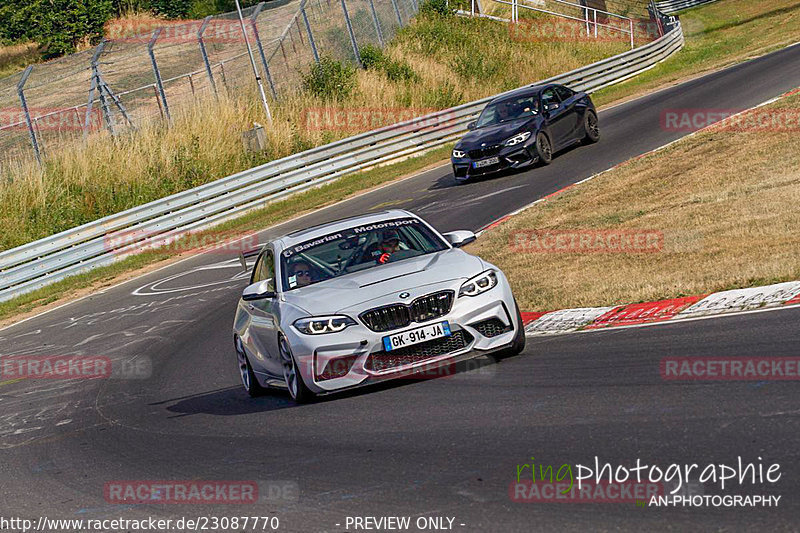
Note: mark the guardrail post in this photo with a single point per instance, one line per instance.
(157, 73)
(24, 103)
(631, 22)
(397, 12)
(310, 35)
(254, 24)
(205, 54)
(353, 35)
(376, 21)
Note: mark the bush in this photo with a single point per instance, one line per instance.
(373, 58)
(435, 7)
(59, 25)
(330, 78)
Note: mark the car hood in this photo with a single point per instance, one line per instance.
(409, 275)
(492, 135)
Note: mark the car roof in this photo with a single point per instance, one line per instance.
(321, 230)
(524, 91)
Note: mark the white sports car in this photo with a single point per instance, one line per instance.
(366, 299)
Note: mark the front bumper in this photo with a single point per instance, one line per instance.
(479, 325)
(509, 157)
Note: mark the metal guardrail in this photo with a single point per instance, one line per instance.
(668, 7)
(103, 241)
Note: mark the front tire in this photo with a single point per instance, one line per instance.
(590, 127)
(544, 149)
(291, 374)
(248, 377)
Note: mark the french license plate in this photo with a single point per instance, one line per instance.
(414, 336)
(486, 162)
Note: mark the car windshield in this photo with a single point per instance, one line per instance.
(508, 110)
(355, 249)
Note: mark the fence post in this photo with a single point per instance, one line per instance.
(310, 35)
(377, 22)
(353, 35)
(97, 84)
(254, 24)
(24, 103)
(595, 24)
(157, 73)
(205, 54)
(396, 12)
(631, 21)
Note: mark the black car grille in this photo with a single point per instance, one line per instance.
(380, 361)
(488, 151)
(491, 327)
(396, 316)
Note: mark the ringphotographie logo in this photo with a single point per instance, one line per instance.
(733, 120)
(582, 241)
(357, 119)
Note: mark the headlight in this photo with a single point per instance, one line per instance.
(458, 154)
(317, 325)
(516, 139)
(479, 284)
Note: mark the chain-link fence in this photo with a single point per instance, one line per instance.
(127, 80)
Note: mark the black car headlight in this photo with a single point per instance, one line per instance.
(516, 139)
(459, 154)
(479, 284)
(318, 325)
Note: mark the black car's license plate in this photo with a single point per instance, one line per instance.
(486, 162)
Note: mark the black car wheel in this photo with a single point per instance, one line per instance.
(591, 128)
(543, 149)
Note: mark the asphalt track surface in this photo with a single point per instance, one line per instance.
(441, 447)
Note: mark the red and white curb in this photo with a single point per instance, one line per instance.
(720, 303)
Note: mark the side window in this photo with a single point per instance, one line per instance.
(268, 269)
(549, 97)
(563, 92)
(255, 277)
(264, 269)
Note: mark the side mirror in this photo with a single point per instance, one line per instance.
(551, 107)
(471, 125)
(258, 291)
(460, 238)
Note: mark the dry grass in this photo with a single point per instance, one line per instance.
(17, 56)
(455, 60)
(737, 191)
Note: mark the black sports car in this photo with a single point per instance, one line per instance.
(522, 127)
